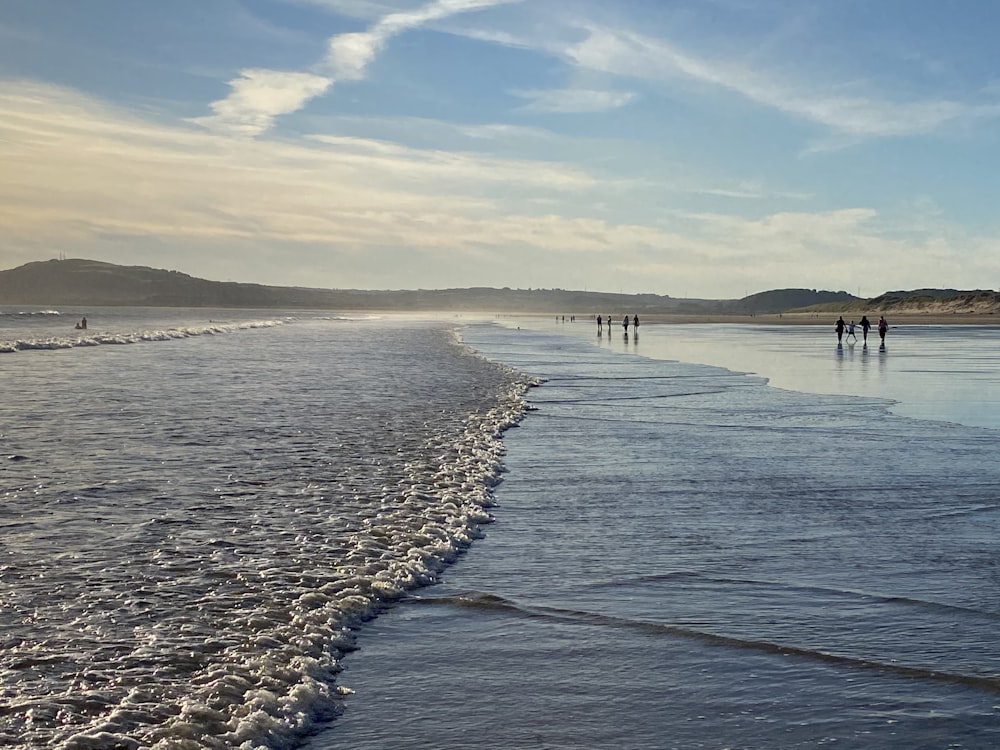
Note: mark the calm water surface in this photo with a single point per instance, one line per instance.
(947, 373)
(686, 557)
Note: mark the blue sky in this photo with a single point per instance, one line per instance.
(696, 148)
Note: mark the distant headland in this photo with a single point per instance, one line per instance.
(81, 282)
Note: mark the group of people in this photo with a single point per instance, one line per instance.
(625, 323)
(840, 327)
(866, 326)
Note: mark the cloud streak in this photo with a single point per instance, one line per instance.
(85, 169)
(350, 54)
(258, 96)
(633, 55)
(577, 100)
(79, 173)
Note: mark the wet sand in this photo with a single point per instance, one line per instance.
(895, 318)
(929, 367)
(823, 318)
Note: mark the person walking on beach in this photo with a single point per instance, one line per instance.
(839, 328)
(866, 326)
(625, 324)
(635, 323)
(883, 326)
(850, 330)
(600, 324)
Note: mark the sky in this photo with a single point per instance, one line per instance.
(692, 148)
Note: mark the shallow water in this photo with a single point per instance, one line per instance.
(192, 525)
(685, 557)
(945, 373)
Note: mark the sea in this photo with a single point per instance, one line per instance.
(261, 529)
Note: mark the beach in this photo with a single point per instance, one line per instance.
(687, 557)
(360, 532)
(909, 318)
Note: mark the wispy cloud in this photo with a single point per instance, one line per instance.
(630, 54)
(436, 165)
(576, 100)
(83, 168)
(258, 96)
(78, 172)
(350, 54)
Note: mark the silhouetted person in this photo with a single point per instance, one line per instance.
(883, 326)
(635, 323)
(866, 326)
(839, 328)
(600, 324)
(850, 330)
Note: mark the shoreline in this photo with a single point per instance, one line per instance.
(821, 319)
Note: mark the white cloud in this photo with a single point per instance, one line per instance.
(350, 54)
(76, 168)
(438, 166)
(630, 54)
(576, 100)
(493, 131)
(258, 96)
(83, 176)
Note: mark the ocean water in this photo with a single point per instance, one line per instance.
(197, 509)
(221, 534)
(689, 557)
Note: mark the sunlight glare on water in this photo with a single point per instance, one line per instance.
(947, 373)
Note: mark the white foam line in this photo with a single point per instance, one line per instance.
(98, 339)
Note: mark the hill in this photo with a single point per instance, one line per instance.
(89, 282)
(939, 301)
(918, 302)
(95, 283)
(783, 300)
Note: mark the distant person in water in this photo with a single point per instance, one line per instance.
(82, 325)
(635, 323)
(839, 328)
(883, 326)
(600, 324)
(625, 324)
(609, 322)
(866, 326)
